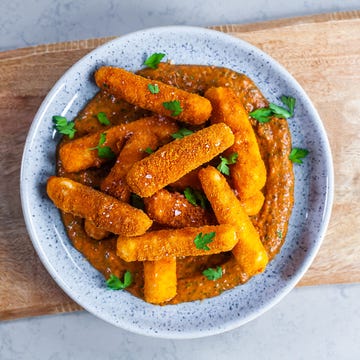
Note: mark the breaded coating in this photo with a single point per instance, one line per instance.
(253, 204)
(76, 155)
(160, 280)
(95, 232)
(249, 251)
(134, 89)
(134, 150)
(226, 108)
(156, 245)
(190, 179)
(174, 160)
(249, 172)
(173, 210)
(103, 210)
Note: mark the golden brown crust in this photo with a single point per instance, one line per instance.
(134, 89)
(156, 245)
(105, 211)
(174, 160)
(173, 210)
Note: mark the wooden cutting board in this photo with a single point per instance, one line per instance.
(323, 54)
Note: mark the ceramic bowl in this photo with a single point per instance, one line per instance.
(85, 285)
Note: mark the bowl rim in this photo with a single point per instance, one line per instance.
(307, 260)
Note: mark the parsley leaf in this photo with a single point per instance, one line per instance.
(223, 166)
(297, 155)
(154, 89)
(213, 274)
(201, 240)
(263, 115)
(103, 119)
(149, 150)
(137, 201)
(63, 126)
(182, 133)
(153, 60)
(174, 107)
(104, 152)
(195, 197)
(279, 111)
(114, 283)
(289, 101)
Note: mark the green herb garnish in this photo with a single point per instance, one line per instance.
(201, 240)
(103, 119)
(154, 89)
(223, 167)
(213, 274)
(173, 106)
(263, 115)
(195, 197)
(153, 60)
(149, 150)
(114, 283)
(297, 154)
(104, 152)
(182, 133)
(63, 126)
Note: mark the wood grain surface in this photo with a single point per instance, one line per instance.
(323, 54)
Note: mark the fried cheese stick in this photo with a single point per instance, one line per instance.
(249, 172)
(134, 150)
(156, 245)
(172, 209)
(135, 90)
(174, 160)
(103, 210)
(160, 280)
(253, 204)
(249, 251)
(76, 155)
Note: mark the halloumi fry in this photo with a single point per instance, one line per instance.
(249, 172)
(93, 231)
(172, 209)
(134, 89)
(174, 160)
(156, 245)
(190, 179)
(103, 210)
(134, 150)
(253, 204)
(76, 155)
(249, 251)
(160, 280)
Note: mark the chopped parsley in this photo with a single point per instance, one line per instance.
(174, 106)
(182, 133)
(201, 241)
(223, 167)
(63, 126)
(104, 152)
(149, 150)
(195, 197)
(114, 283)
(213, 274)
(103, 119)
(153, 60)
(153, 88)
(263, 115)
(297, 154)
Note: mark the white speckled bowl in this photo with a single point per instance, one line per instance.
(313, 188)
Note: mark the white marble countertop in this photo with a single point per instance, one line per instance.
(310, 323)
